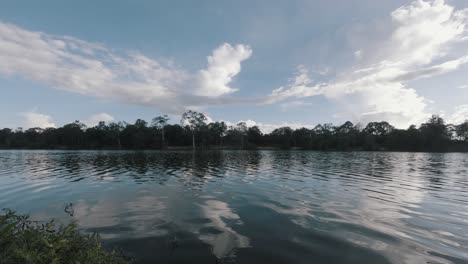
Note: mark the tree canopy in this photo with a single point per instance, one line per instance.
(193, 131)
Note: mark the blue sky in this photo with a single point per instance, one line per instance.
(273, 63)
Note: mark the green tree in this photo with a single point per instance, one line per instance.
(435, 133)
(254, 135)
(219, 130)
(160, 123)
(462, 131)
(115, 128)
(241, 129)
(73, 134)
(141, 124)
(378, 128)
(194, 121)
(25, 241)
(283, 136)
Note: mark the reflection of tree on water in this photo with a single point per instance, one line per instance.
(70, 162)
(252, 164)
(190, 168)
(202, 163)
(196, 168)
(436, 165)
(382, 201)
(282, 160)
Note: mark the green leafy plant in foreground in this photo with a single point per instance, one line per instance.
(23, 240)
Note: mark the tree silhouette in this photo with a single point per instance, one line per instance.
(241, 129)
(432, 135)
(194, 121)
(462, 131)
(115, 128)
(160, 123)
(379, 129)
(219, 130)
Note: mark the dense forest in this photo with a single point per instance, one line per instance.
(194, 132)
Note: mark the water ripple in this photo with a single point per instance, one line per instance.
(241, 206)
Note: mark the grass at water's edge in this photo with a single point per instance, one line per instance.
(23, 240)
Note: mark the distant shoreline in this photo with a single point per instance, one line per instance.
(194, 133)
(207, 149)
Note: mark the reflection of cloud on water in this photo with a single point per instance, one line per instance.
(407, 208)
(224, 242)
(300, 215)
(146, 214)
(141, 216)
(122, 214)
(101, 214)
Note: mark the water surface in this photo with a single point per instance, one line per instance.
(252, 206)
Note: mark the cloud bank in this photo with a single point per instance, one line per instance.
(426, 39)
(95, 119)
(419, 46)
(92, 69)
(37, 120)
(33, 119)
(459, 115)
(268, 127)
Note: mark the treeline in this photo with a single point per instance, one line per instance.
(194, 132)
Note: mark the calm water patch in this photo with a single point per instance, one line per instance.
(252, 207)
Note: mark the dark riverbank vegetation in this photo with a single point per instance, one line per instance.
(195, 132)
(25, 241)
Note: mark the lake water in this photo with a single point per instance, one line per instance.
(252, 207)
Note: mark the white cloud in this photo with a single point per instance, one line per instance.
(424, 32)
(267, 128)
(459, 116)
(33, 119)
(208, 119)
(420, 45)
(223, 65)
(465, 86)
(299, 86)
(293, 104)
(92, 69)
(322, 71)
(358, 54)
(95, 119)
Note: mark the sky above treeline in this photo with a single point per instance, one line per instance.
(270, 63)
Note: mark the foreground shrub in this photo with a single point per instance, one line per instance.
(31, 242)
